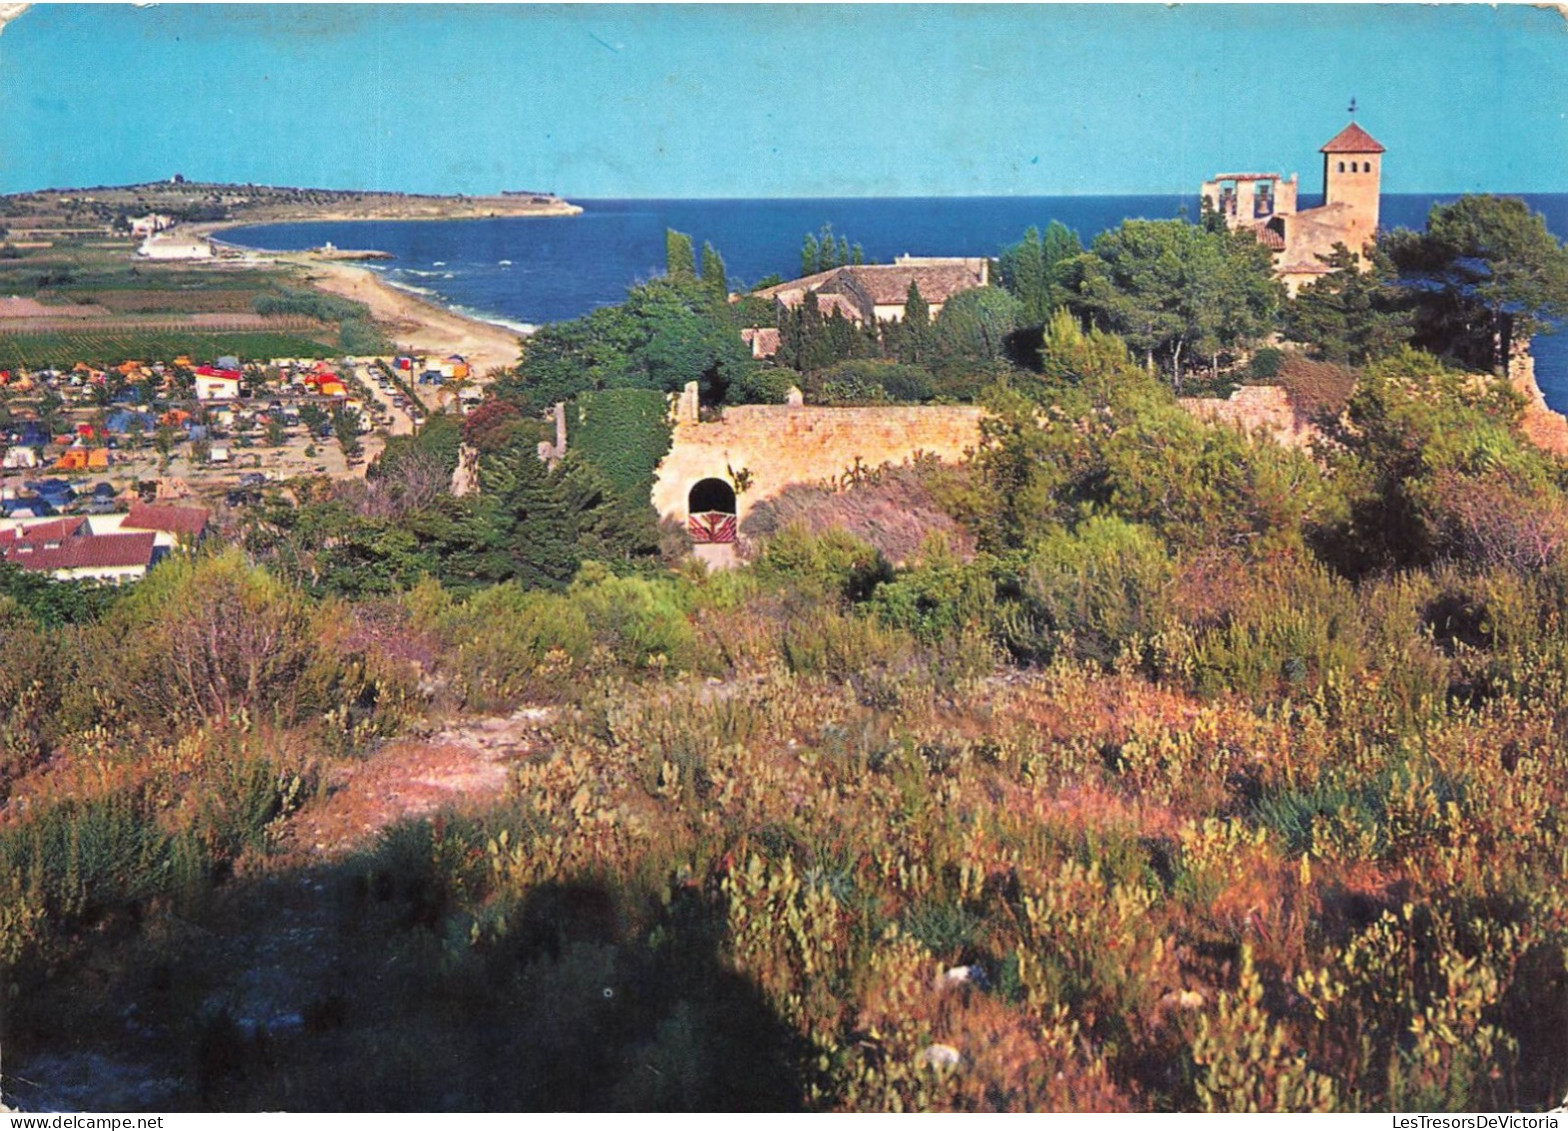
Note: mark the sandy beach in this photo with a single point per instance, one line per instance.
(411, 321)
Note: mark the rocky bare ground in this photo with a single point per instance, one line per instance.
(462, 767)
(269, 959)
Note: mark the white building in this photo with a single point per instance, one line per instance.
(175, 247)
(217, 386)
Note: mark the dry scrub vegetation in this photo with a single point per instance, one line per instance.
(1204, 776)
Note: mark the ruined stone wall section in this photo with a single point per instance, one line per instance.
(1252, 407)
(777, 445)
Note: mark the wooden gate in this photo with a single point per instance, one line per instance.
(711, 527)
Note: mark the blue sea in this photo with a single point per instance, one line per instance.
(530, 270)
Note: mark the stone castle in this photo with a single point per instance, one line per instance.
(1265, 204)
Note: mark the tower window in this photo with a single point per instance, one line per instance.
(1341, 166)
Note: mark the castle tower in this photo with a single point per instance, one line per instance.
(1352, 176)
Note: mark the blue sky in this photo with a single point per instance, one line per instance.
(761, 100)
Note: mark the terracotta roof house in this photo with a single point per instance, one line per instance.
(40, 533)
(69, 550)
(182, 522)
(871, 293)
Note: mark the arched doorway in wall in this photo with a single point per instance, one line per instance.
(710, 509)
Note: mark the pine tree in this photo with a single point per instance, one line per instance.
(524, 528)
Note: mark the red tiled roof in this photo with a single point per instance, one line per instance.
(190, 521)
(828, 302)
(806, 283)
(884, 284)
(763, 340)
(52, 531)
(889, 286)
(102, 551)
(1353, 139)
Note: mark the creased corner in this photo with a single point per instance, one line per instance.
(9, 12)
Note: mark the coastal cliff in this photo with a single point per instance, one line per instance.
(1543, 426)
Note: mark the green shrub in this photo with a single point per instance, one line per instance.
(840, 563)
(644, 624)
(75, 861)
(821, 640)
(867, 381)
(30, 686)
(311, 304)
(360, 337)
(1104, 585)
(506, 643)
(211, 638)
(1288, 626)
(938, 598)
(1265, 364)
(241, 797)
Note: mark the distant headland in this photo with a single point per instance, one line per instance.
(204, 208)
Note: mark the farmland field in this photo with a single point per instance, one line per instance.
(159, 300)
(103, 347)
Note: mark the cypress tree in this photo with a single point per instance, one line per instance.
(810, 255)
(916, 334)
(713, 271)
(679, 261)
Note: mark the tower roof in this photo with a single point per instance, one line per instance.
(1352, 139)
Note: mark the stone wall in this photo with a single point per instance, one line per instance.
(1252, 407)
(776, 445)
(769, 447)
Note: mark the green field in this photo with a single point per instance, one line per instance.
(106, 347)
(186, 299)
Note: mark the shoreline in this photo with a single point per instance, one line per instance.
(411, 320)
(412, 317)
(212, 229)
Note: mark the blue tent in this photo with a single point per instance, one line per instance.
(57, 492)
(32, 434)
(120, 422)
(35, 506)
